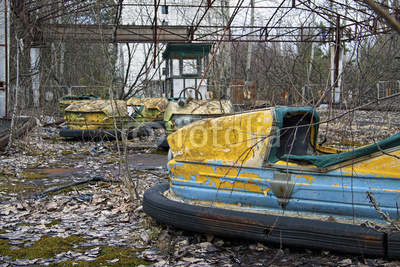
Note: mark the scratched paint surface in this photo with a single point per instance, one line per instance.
(226, 170)
(381, 166)
(204, 182)
(322, 194)
(95, 114)
(239, 140)
(154, 108)
(203, 107)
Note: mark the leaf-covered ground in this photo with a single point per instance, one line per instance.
(63, 204)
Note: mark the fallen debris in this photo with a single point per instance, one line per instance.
(97, 222)
(90, 180)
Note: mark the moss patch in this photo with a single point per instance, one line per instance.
(49, 247)
(160, 152)
(17, 187)
(34, 175)
(46, 247)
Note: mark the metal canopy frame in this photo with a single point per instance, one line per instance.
(350, 20)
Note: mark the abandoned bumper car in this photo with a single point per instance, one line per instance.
(67, 100)
(185, 110)
(147, 111)
(261, 175)
(107, 119)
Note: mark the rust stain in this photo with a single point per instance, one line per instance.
(209, 216)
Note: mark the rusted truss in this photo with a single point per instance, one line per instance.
(337, 20)
(113, 34)
(145, 33)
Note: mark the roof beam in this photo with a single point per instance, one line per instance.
(105, 33)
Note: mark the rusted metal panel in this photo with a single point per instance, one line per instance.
(236, 87)
(112, 34)
(243, 92)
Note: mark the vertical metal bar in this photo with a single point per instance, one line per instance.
(301, 33)
(336, 60)
(4, 58)
(155, 33)
(250, 45)
(6, 55)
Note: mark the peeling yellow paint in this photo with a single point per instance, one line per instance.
(392, 190)
(95, 114)
(229, 174)
(282, 162)
(202, 179)
(310, 179)
(204, 174)
(265, 191)
(250, 186)
(245, 136)
(302, 184)
(330, 150)
(381, 166)
(204, 107)
(159, 103)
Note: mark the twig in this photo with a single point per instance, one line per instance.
(94, 179)
(386, 153)
(385, 216)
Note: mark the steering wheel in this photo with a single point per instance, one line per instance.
(137, 111)
(191, 88)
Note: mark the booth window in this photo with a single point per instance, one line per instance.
(189, 66)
